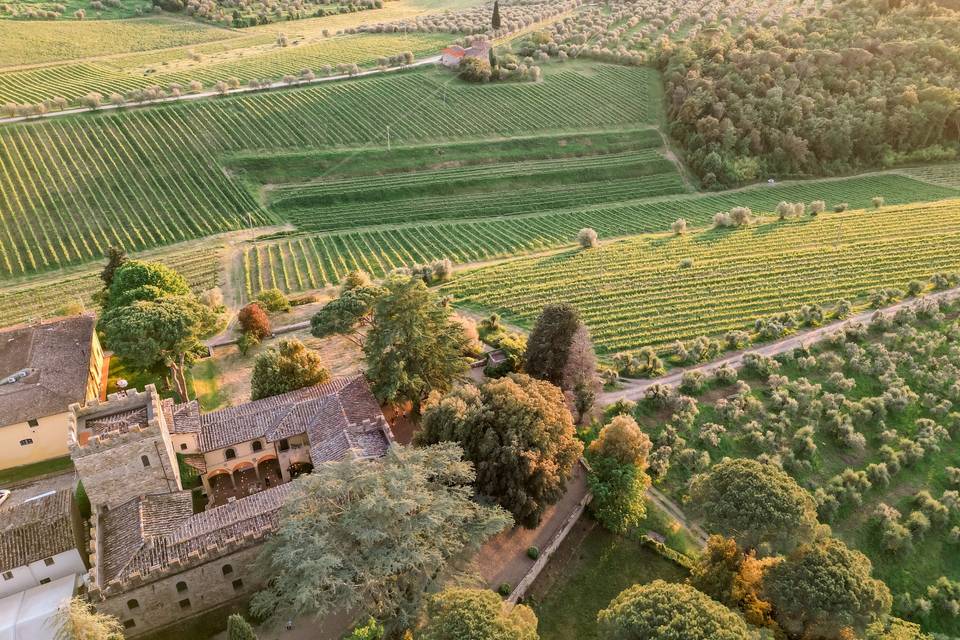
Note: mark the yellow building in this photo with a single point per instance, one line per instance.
(44, 368)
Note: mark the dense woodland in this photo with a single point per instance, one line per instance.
(867, 84)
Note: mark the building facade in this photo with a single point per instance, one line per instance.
(44, 368)
(157, 556)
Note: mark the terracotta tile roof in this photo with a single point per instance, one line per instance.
(56, 355)
(337, 416)
(182, 418)
(149, 534)
(36, 529)
(456, 51)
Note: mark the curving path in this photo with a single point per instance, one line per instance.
(635, 389)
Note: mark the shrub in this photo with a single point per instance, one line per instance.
(679, 227)
(817, 207)
(504, 589)
(587, 238)
(840, 207)
(686, 263)
(693, 382)
(533, 553)
(254, 321)
(741, 216)
(273, 300)
(878, 202)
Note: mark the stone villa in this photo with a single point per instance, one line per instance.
(44, 368)
(155, 557)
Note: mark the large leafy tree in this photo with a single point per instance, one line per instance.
(239, 629)
(733, 578)
(548, 347)
(824, 588)
(165, 331)
(413, 346)
(373, 536)
(476, 614)
(618, 478)
(289, 366)
(349, 315)
(667, 611)
(757, 504)
(135, 280)
(518, 433)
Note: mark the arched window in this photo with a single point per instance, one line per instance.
(257, 445)
(133, 604)
(227, 569)
(145, 460)
(181, 586)
(230, 454)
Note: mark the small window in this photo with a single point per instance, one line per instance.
(237, 584)
(45, 581)
(33, 424)
(8, 575)
(185, 603)
(183, 446)
(145, 460)
(133, 604)
(48, 561)
(227, 569)
(181, 586)
(26, 442)
(257, 445)
(230, 454)
(284, 445)
(129, 624)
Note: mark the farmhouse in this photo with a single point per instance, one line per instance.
(155, 560)
(45, 368)
(454, 54)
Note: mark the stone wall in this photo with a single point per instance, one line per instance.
(176, 596)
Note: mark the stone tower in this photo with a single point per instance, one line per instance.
(122, 448)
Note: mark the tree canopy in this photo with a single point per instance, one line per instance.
(377, 548)
(668, 611)
(476, 614)
(135, 280)
(288, 367)
(518, 433)
(823, 588)
(348, 315)
(757, 504)
(413, 346)
(548, 346)
(618, 478)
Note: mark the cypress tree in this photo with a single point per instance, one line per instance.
(495, 21)
(239, 629)
(548, 347)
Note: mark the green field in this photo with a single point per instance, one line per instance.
(143, 178)
(589, 570)
(46, 296)
(75, 80)
(311, 261)
(35, 42)
(635, 292)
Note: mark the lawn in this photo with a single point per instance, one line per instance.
(28, 471)
(591, 567)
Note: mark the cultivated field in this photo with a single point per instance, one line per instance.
(70, 187)
(862, 421)
(35, 42)
(73, 81)
(307, 262)
(636, 292)
(45, 296)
